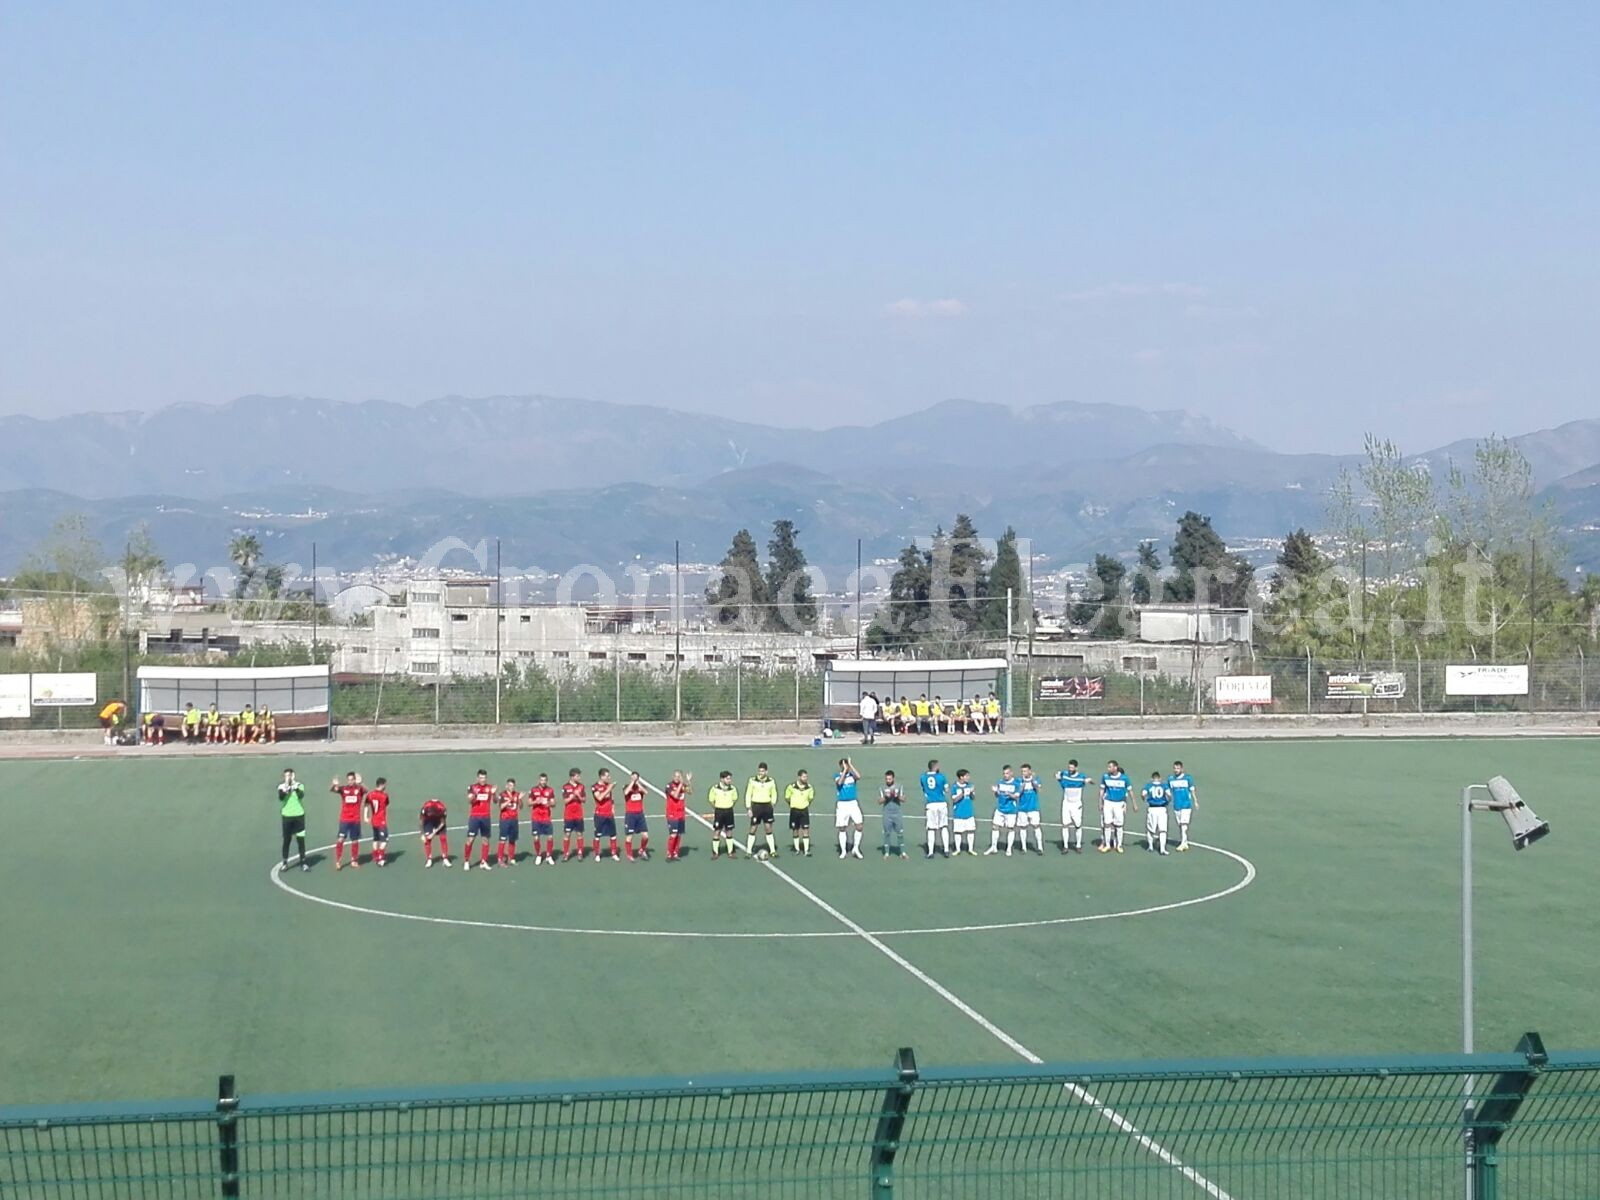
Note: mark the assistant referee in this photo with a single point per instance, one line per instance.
(292, 811)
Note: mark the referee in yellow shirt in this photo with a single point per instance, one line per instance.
(724, 798)
(760, 798)
(798, 796)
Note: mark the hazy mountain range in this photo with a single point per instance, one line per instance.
(563, 482)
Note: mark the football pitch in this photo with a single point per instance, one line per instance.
(150, 946)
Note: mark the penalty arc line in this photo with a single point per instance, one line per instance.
(1077, 1092)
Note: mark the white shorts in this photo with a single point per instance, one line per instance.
(1072, 813)
(938, 816)
(1005, 820)
(1155, 818)
(964, 824)
(1183, 815)
(1029, 819)
(848, 812)
(1116, 812)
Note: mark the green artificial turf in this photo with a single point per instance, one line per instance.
(148, 950)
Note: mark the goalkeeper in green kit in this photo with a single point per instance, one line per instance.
(292, 810)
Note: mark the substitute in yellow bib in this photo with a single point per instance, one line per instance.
(724, 798)
(191, 722)
(798, 796)
(760, 799)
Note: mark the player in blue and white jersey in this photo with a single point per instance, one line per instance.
(1006, 793)
(1028, 817)
(847, 818)
(1180, 784)
(1156, 798)
(1114, 800)
(936, 807)
(963, 815)
(1073, 782)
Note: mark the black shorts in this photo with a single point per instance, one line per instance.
(432, 828)
(605, 827)
(294, 826)
(721, 819)
(761, 813)
(799, 818)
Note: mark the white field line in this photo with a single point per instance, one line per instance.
(1083, 1095)
(759, 935)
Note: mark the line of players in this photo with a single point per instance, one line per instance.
(949, 813)
(949, 810)
(487, 804)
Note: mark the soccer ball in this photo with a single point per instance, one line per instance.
(762, 856)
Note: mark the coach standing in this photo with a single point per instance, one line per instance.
(292, 812)
(869, 719)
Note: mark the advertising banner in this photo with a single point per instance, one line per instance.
(1483, 679)
(1243, 689)
(1366, 685)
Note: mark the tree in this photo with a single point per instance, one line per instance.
(66, 574)
(958, 579)
(1299, 562)
(1099, 611)
(1147, 574)
(905, 619)
(739, 598)
(1005, 575)
(1203, 569)
(789, 581)
(245, 553)
(143, 568)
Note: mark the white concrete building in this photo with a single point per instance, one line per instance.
(447, 628)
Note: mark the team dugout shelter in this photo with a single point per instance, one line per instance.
(301, 698)
(846, 680)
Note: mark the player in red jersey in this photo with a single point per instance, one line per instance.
(605, 814)
(677, 813)
(505, 852)
(573, 795)
(350, 794)
(377, 810)
(541, 798)
(480, 797)
(434, 824)
(633, 821)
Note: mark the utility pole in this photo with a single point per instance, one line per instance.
(1533, 604)
(127, 618)
(499, 619)
(313, 603)
(677, 633)
(858, 598)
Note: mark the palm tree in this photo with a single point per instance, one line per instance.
(245, 551)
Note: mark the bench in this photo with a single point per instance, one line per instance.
(289, 725)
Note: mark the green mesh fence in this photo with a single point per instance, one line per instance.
(1379, 1128)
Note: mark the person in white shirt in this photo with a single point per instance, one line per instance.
(869, 719)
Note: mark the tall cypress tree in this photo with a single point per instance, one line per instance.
(788, 581)
(1203, 567)
(740, 598)
(1006, 573)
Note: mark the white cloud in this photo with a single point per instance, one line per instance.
(918, 309)
(1136, 291)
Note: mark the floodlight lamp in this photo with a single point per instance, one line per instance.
(1524, 824)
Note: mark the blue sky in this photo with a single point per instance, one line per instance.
(1304, 221)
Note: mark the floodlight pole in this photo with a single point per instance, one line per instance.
(1466, 975)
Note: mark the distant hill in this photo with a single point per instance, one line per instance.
(1553, 453)
(570, 482)
(523, 445)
